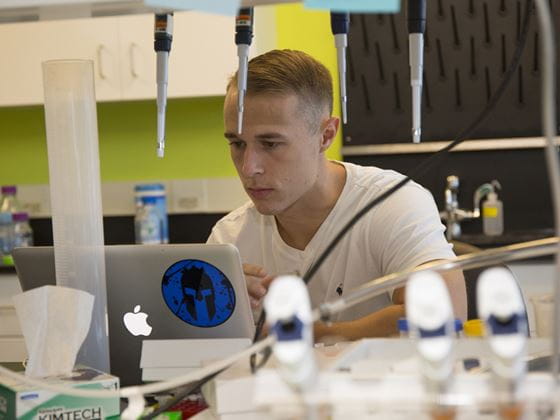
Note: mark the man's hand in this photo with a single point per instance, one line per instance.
(258, 281)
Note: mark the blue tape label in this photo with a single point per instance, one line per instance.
(356, 6)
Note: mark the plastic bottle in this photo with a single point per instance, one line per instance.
(23, 234)
(147, 223)
(492, 215)
(402, 325)
(6, 236)
(474, 328)
(157, 191)
(9, 202)
(458, 328)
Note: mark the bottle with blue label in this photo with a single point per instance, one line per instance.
(159, 202)
(147, 223)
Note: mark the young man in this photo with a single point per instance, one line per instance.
(300, 200)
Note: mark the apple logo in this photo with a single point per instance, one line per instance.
(136, 322)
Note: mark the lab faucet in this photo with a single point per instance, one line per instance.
(453, 215)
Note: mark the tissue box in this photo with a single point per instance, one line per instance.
(21, 401)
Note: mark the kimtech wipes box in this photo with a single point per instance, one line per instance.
(23, 402)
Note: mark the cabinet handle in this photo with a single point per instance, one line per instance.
(133, 71)
(102, 74)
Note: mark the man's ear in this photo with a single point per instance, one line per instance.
(329, 128)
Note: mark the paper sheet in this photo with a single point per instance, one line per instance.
(55, 321)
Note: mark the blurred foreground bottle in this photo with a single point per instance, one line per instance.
(9, 202)
(6, 238)
(23, 234)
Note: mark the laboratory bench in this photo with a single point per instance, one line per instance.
(535, 276)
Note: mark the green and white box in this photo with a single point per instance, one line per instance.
(24, 402)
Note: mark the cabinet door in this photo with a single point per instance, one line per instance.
(26, 45)
(137, 56)
(203, 55)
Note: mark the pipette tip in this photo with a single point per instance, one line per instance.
(160, 150)
(416, 134)
(344, 112)
(239, 122)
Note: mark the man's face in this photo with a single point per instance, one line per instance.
(277, 155)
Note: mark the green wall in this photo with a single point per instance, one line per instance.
(195, 147)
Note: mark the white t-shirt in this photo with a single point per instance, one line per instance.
(402, 232)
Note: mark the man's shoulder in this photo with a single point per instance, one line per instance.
(230, 227)
(239, 215)
(376, 179)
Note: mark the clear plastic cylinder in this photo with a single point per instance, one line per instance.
(73, 155)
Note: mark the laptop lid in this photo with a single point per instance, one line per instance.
(159, 292)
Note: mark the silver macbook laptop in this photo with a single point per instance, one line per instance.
(159, 292)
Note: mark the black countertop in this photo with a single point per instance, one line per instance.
(478, 240)
(507, 238)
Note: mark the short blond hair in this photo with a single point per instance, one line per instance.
(291, 72)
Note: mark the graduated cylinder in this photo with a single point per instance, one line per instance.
(73, 154)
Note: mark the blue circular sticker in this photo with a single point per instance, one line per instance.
(198, 293)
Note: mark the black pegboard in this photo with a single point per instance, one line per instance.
(469, 43)
(522, 173)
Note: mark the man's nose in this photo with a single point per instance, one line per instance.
(252, 163)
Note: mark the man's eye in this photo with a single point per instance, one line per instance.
(236, 144)
(270, 144)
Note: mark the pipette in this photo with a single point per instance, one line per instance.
(416, 29)
(163, 35)
(289, 316)
(501, 306)
(243, 38)
(340, 23)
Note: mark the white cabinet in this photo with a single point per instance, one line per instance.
(203, 55)
(26, 45)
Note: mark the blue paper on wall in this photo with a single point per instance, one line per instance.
(220, 7)
(356, 6)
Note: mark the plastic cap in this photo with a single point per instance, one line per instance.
(474, 328)
(20, 217)
(458, 325)
(9, 189)
(402, 324)
(149, 187)
(5, 218)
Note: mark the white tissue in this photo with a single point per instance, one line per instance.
(55, 321)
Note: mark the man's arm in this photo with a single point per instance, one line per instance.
(455, 282)
(383, 323)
